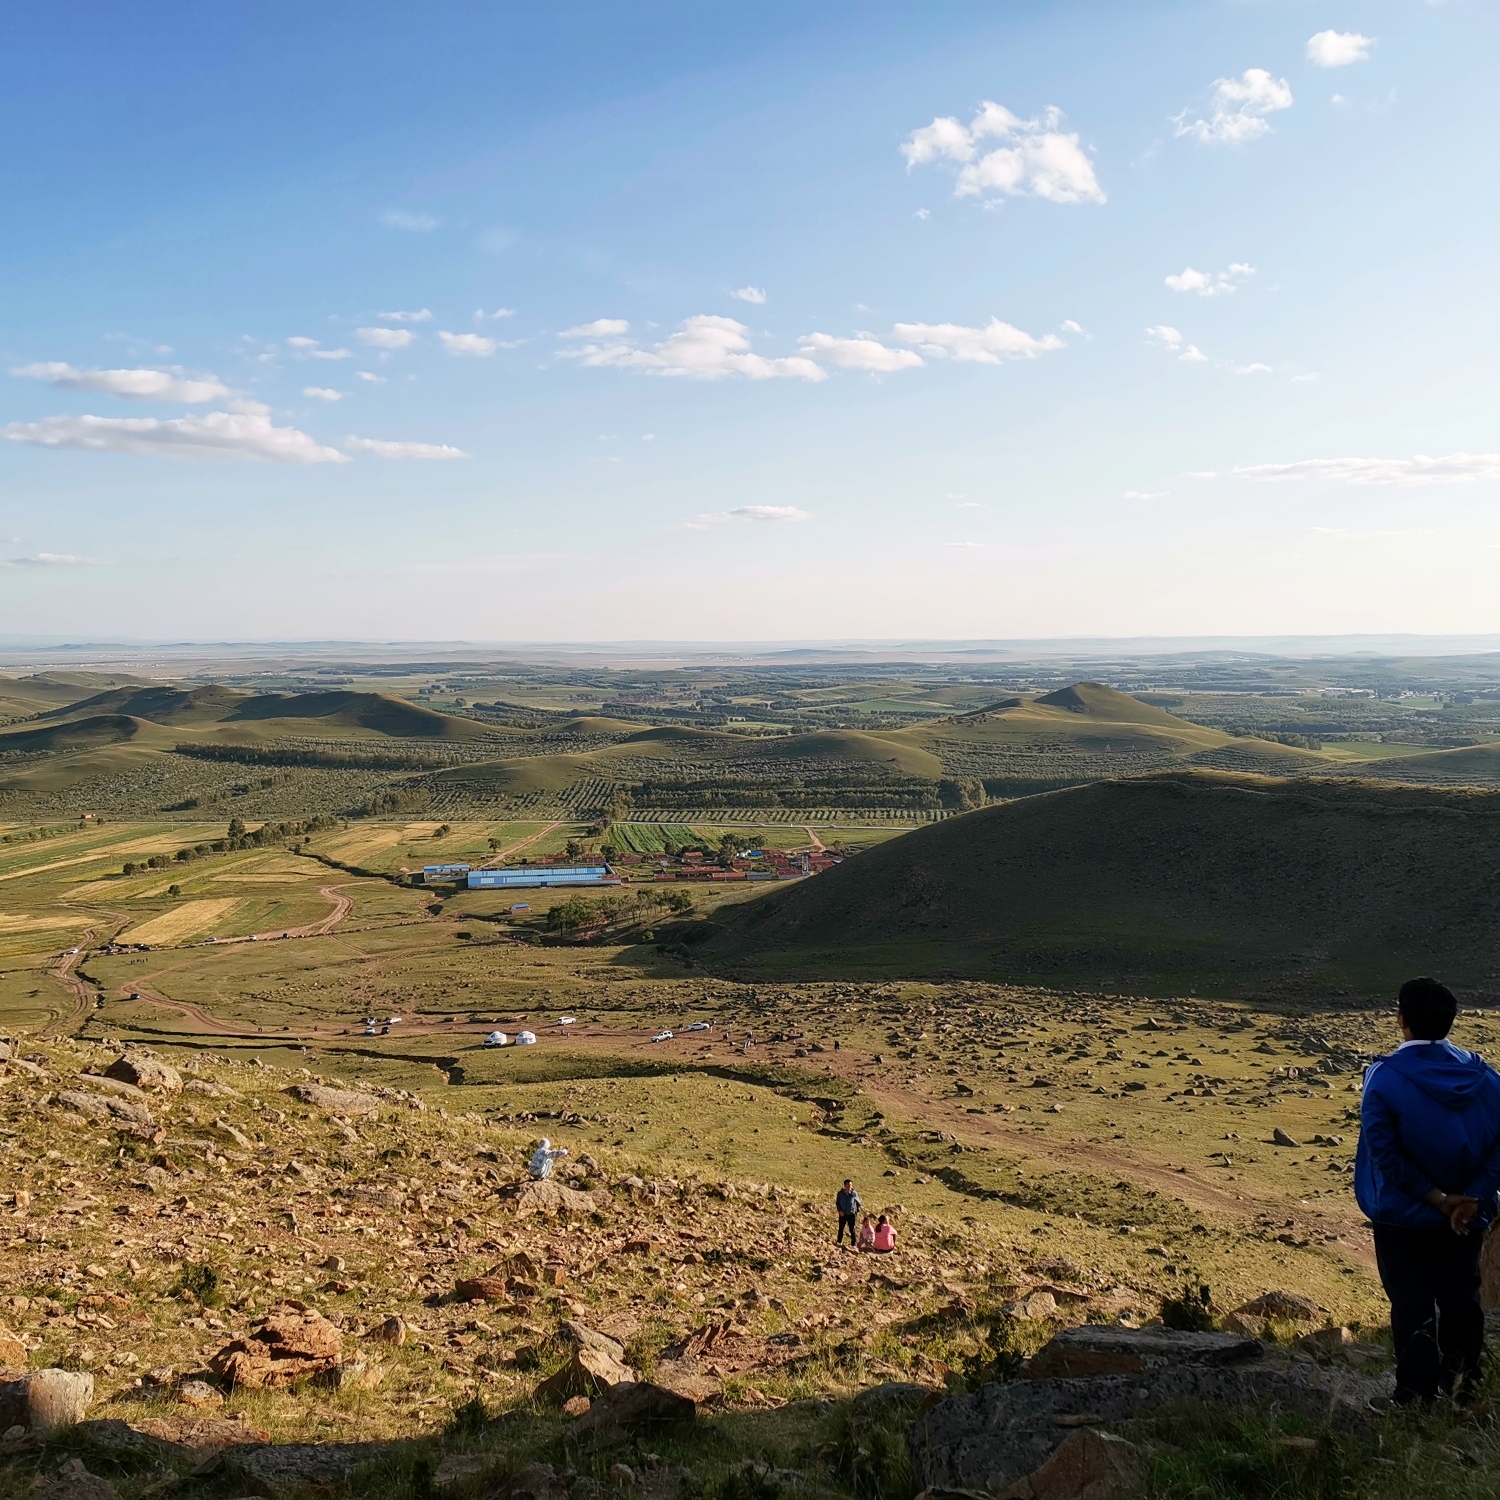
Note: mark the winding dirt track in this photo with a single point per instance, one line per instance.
(83, 992)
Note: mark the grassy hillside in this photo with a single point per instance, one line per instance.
(1190, 880)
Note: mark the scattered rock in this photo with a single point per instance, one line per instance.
(1032, 1306)
(354, 1376)
(1095, 1349)
(392, 1331)
(634, 1411)
(291, 1344)
(146, 1072)
(284, 1466)
(12, 1350)
(1328, 1338)
(589, 1372)
(685, 1379)
(335, 1101)
(548, 1198)
(103, 1107)
(456, 1466)
(1087, 1465)
(590, 1338)
(1287, 1305)
(891, 1394)
(483, 1289)
(45, 1400)
(104, 1084)
(622, 1476)
(200, 1394)
(1280, 1138)
(74, 1482)
(575, 1406)
(122, 1443)
(534, 1482)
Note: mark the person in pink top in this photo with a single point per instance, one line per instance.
(885, 1237)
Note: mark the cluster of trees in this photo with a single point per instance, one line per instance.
(266, 836)
(351, 759)
(579, 912)
(30, 835)
(392, 800)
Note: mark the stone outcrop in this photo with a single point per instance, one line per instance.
(1099, 1350)
(291, 1344)
(203, 1436)
(72, 1481)
(633, 1410)
(105, 1107)
(548, 1198)
(1086, 1465)
(990, 1438)
(590, 1372)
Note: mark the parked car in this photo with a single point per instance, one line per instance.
(662, 1036)
(701, 1026)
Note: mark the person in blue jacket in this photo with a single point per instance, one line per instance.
(846, 1201)
(1427, 1175)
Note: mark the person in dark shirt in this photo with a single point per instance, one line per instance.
(847, 1203)
(1427, 1174)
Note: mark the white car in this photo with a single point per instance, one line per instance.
(371, 1031)
(662, 1036)
(496, 1039)
(701, 1026)
(526, 1039)
(567, 1020)
(393, 1020)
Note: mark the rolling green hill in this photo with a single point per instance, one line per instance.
(1188, 880)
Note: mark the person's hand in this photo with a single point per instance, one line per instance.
(1460, 1209)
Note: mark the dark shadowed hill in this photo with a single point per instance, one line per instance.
(1180, 881)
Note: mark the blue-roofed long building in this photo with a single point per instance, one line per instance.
(524, 875)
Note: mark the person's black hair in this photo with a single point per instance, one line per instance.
(1428, 1008)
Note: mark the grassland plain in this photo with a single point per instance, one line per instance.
(1105, 1149)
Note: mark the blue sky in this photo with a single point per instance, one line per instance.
(691, 321)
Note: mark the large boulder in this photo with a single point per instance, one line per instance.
(482, 1289)
(638, 1410)
(550, 1199)
(589, 1372)
(203, 1436)
(45, 1400)
(145, 1071)
(989, 1438)
(1094, 1349)
(335, 1101)
(590, 1338)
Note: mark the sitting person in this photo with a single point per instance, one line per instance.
(867, 1233)
(885, 1237)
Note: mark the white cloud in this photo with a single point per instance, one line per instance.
(157, 385)
(1240, 106)
(1164, 336)
(421, 315)
(862, 353)
(703, 348)
(600, 328)
(1147, 494)
(1456, 468)
(473, 344)
(989, 345)
(760, 513)
(386, 338)
(1042, 161)
(396, 218)
(1256, 369)
(246, 434)
(1337, 49)
(322, 393)
(373, 379)
(382, 449)
(481, 316)
(310, 349)
(1069, 326)
(49, 560)
(755, 294)
(1211, 283)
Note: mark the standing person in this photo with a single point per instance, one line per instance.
(1426, 1174)
(847, 1203)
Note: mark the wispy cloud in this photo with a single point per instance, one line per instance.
(385, 338)
(762, 514)
(600, 328)
(1337, 49)
(861, 353)
(1456, 468)
(146, 385)
(421, 315)
(383, 449)
(399, 218)
(217, 435)
(990, 345)
(1240, 106)
(1041, 162)
(49, 560)
(1147, 494)
(703, 348)
(311, 348)
(322, 393)
(755, 294)
(1211, 283)
(474, 345)
(481, 316)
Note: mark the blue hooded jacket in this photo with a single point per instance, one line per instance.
(1430, 1118)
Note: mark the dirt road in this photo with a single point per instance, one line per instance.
(83, 991)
